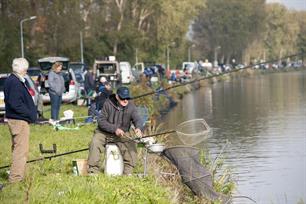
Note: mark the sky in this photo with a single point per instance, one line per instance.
(291, 4)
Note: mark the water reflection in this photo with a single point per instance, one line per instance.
(264, 120)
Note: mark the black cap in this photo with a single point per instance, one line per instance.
(123, 92)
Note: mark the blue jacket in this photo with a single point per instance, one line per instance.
(18, 101)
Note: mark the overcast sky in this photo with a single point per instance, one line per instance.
(292, 4)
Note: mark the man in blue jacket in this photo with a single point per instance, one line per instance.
(20, 112)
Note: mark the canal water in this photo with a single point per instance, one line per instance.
(259, 127)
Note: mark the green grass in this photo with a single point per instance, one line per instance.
(52, 181)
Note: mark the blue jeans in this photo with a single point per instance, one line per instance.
(56, 101)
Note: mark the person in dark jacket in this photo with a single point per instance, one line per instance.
(96, 105)
(89, 85)
(20, 111)
(114, 123)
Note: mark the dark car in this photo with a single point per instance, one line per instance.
(78, 67)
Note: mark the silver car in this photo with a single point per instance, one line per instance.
(71, 84)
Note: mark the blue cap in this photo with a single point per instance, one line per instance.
(123, 92)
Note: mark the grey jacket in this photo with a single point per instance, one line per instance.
(114, 116)
(56, 83)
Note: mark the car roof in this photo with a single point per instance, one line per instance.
(77, 63)
(34, 68)
(53, 59)
(4, 75)
(106, 62)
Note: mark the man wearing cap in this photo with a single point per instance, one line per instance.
(114, 123)
(20, 111)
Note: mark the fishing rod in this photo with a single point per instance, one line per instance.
(85, 149)
(50, 157)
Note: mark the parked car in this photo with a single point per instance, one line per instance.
(126, 73)
(79, 70)
(109, 69)
(78, 67)
(2, 80)
(137, 70)
(71, 84)
(33, 90)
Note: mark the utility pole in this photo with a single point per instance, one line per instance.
(81, 44)
(21, 33)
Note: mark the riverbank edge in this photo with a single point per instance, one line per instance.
(177, 95)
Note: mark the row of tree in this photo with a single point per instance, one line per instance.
(249, 30)
(145, 30)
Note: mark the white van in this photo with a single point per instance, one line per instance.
(188, 66)
(126, 73)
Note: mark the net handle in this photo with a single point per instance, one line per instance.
(157, 134)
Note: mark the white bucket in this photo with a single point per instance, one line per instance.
(113, 160)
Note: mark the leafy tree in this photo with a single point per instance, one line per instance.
(301, 41)
(231, 25)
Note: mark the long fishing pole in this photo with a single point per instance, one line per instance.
(50, 157)
(85, 149)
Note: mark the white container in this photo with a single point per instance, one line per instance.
(156, 148)
(113, 160)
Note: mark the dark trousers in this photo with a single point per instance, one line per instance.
(56, 101)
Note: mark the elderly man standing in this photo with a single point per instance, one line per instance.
(20, 112)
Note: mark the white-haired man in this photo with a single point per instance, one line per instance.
(20, 111)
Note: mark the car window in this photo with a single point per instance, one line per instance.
(107, 68)
(79, 77)
(46, 66)
(33, 72)
(77, 67)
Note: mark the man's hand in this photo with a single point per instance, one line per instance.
(138, 132)
(119, 132)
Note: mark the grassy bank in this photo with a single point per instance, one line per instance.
(52, 181)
